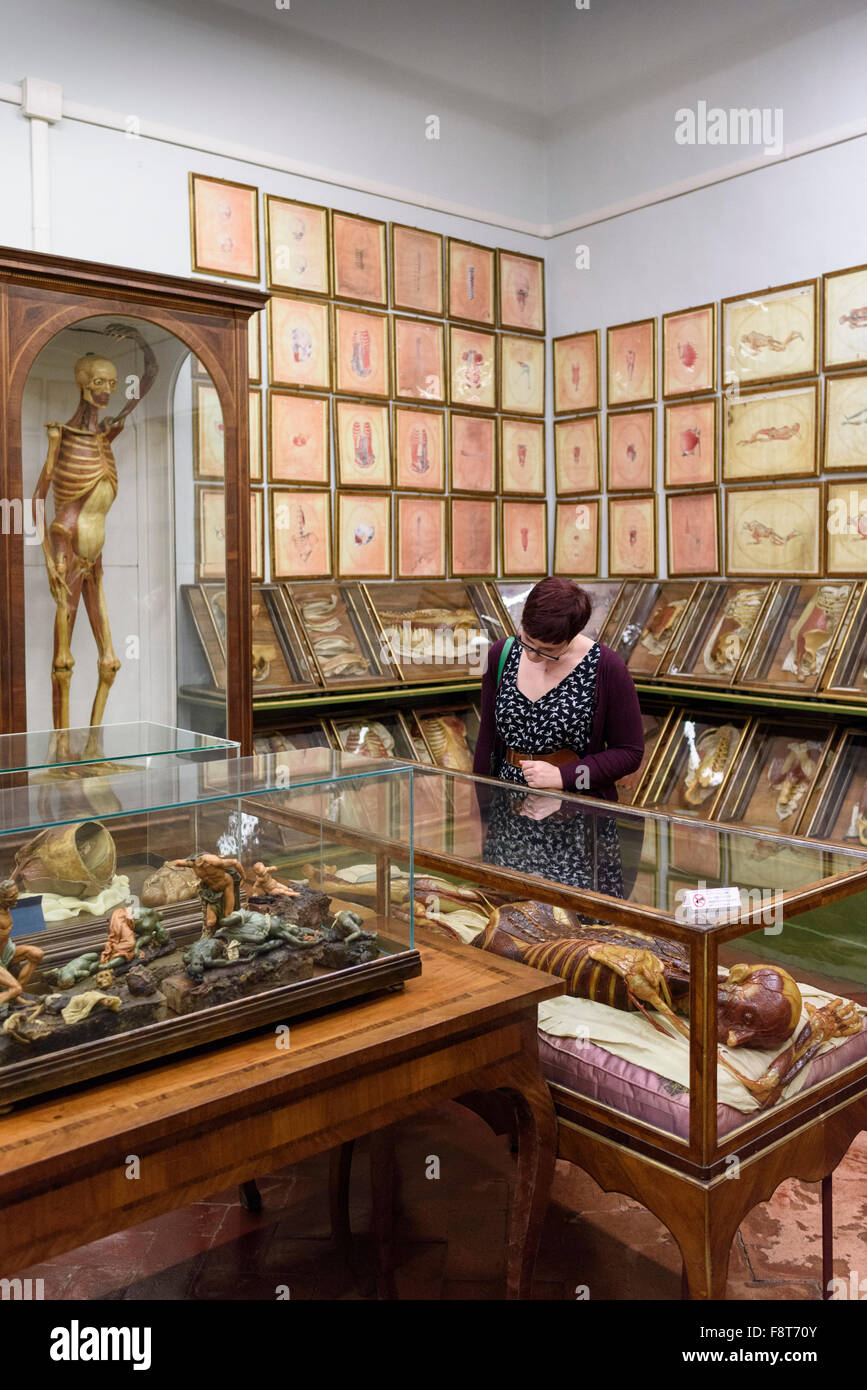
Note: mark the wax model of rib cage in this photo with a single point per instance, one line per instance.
(725, 645)
(661, 624)
(758, 1006)
(371, 740)
(81, 470)
(447, 736)
(811, 635)
(709, 756)
(792, 774)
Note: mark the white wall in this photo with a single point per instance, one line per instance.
(15, 214)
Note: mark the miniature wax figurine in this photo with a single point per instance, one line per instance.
(219, 886)
(120, 943)
(10, 954)
(81, 470)
(262, 882)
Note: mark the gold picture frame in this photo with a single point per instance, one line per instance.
(521, 371)
(472, 368)
(844, 431)
(419, 356)
(521, 292)
(210, 503)
(257, 535)
(472, 453)
(473, 537)
(522, 457)
(300, 531)
(578, 455)
(297, 247)
(224, 227)
(299, 438)
(254, 348)
(523, 538)
(688, 459)
(416, 270)
(774, 531)
(358, 259)
(770, 335)
(770, 434)
(577, 555)
(361, 353)
(208, 439)
(689, 352)
(632, 537)
(421, 536)
(471, 279)
(630, 455)
(299, 343)
(362, 440)
(363, 518)
(693, 534)
(257, 461)
(419, 447)
(846, 528)
(844, 318)
(631, 363)
(575, 366)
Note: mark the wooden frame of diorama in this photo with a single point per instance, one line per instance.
(340, 313)
(406, 306)
(482, 499)
(749, 394)
(384, 478)
(294, 649)
(839, 382)
(671, 498)
(648, 413)
(199, 266)
(491, 422)
(489, 252)
(710, 383)
(685, 403)
(647, 499)
(416, 714)
(272, 275)
(274, 476)
(595, 404)
(381, 715)
(504, 342)
(538, 427)
(614, 401)
(343, 497)
(659, 592)
(434, 499)
(761, 298)
(321, 499)
(583, 502)
(279, 304)
(828, 365)
(560, 426)
(766, 489)
(432, 326)
(539, 506)
(538, 264)
(362, 623)
(366, 301)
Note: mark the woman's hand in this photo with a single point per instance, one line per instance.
(539, 774)
(540, 807)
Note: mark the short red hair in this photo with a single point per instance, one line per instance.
(556, 611)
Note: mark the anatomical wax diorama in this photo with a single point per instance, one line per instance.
(433, 663)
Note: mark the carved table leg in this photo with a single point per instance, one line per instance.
(827, 1235)
(250, 1197)
(382, 1173)
(537, 1150)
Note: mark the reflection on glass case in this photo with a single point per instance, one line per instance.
(775, 774)
(613, 624)
(837, 809)
(181, 914)
(652, 624)
(432, 629)
(656, 723)
(513, 597)
(717, 632)
(846, 671)
(693, 766)
(794, 637)
(346, 647)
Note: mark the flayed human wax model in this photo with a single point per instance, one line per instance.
(219, 887)
(28, 957)
(262, 881)
(81, 473)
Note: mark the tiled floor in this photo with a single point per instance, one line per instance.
(450, 1235)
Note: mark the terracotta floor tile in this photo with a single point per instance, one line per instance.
(175, 1282)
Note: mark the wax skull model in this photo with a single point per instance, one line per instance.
(81, 470)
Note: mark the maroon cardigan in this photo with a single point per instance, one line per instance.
(616, 739)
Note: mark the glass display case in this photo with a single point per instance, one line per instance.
(279, 663)
(837, 809)
(795, 634)
(345, 644)
(713, 640)
(776, 771)
(43, 755)
(450, 735)
(656, 719)
(184, 912)
(603, 594)
(650, 624)
(695, 762)
(432, 630)
(846, 671)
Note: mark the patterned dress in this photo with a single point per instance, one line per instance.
(572, 846)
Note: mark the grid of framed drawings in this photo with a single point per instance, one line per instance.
(398, 424)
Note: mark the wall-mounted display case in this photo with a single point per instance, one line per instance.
(794, 636)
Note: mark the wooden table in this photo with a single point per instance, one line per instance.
(235, 1111)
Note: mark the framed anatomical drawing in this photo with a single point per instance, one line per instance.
(472, 368)
(771, 335)
(360, 353)
(689, 351)
(657, 615)
(416, 270)
(522, 457)
(257, 534)
(363, 445)
(472, 452)
(208, 462)
(693, 533)
(845, 442)
(632, 537)
(631, 363)
(471, 282)
(256, 463)
(632, 451)
(524, 538)
(298, 343)
(576, 372)
(774, 530)
(692, 769)
(300, 534)
(296, 242)
(521, 281)
(690, 434)
(419, 360)
(795, 635)
(846, 528)
(473, 538)
(844, 296)
(771, 783)
(577, 455)
(299, 430)
(522, 375)
(358, 259)
(576, 538)
(224, 226)
(210, 533)
(837, 810)
(421, 537)
(254, 349)
(771, 434)
(364, 535)
(419, 448)
(712, 645)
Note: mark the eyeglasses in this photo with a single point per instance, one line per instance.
(543, 656)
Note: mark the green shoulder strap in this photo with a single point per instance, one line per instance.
(504, 657)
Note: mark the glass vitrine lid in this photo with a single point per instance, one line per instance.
(39, 749)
